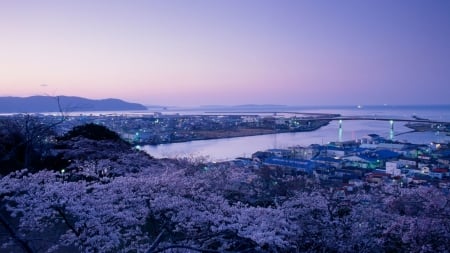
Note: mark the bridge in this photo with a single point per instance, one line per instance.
(340, 118)
(381, 118)
(311, 116)
(330, 116)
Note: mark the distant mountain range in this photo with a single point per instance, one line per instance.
(251, 106)
(37, 104)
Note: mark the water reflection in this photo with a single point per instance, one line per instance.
(226, 149)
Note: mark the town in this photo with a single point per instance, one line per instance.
(161, 128)
(352, 164)
(349, 164)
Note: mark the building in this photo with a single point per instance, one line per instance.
(394, 168)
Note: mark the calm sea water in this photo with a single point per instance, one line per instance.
(226, 149)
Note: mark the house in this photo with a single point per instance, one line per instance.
(280, 152)
(411, 151)
(281, 121)
(392, 146)
(335, 151)
(411, 171)
(423, 157)
(425, 169)
(361, 161)
(261, 155)
(368, 145)
(344, 144)
(304, 152)
(439, 173)
(297, 164)
(322, 172)
(408, 162)
(347, 174)
(250, 119)
(393, 168)
(356, 182)
(444, 161)
(376, 177)
(371, 139)
(328, 161)
(420, 179)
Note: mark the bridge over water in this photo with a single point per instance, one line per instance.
(391, 121)
(331, 116)
(383, 118)
(340, 118)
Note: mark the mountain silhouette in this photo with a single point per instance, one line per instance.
(36, 104)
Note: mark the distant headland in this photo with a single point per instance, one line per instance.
(39, 104)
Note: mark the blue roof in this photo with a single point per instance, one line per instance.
(303, 165)
(369, 159)
(359, 149)
(386, 154)
(335, 148)
(326, 159)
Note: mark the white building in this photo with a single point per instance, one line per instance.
(393, 168)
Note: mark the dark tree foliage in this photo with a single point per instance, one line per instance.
(11, 154)
(93, 132)
(24, 143)
(96, 144)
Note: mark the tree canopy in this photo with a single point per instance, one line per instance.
(113, 199)
(93, 132)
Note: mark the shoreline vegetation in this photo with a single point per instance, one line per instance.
(210, 134)
(240, 132)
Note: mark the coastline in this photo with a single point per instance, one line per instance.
(429, 127)
(240, 132)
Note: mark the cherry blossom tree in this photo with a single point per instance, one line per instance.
(131, 203)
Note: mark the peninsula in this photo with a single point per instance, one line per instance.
(40, 104)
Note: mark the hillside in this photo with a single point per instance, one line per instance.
(36, 104)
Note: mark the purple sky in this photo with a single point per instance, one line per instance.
(228, 52)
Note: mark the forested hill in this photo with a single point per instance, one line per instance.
(67, 103)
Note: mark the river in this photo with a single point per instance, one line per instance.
(227, 149)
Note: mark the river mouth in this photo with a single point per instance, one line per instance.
(216, 150)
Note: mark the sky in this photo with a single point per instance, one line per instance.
(192, 52)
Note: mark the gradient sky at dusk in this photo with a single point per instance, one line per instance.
(192, 52)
